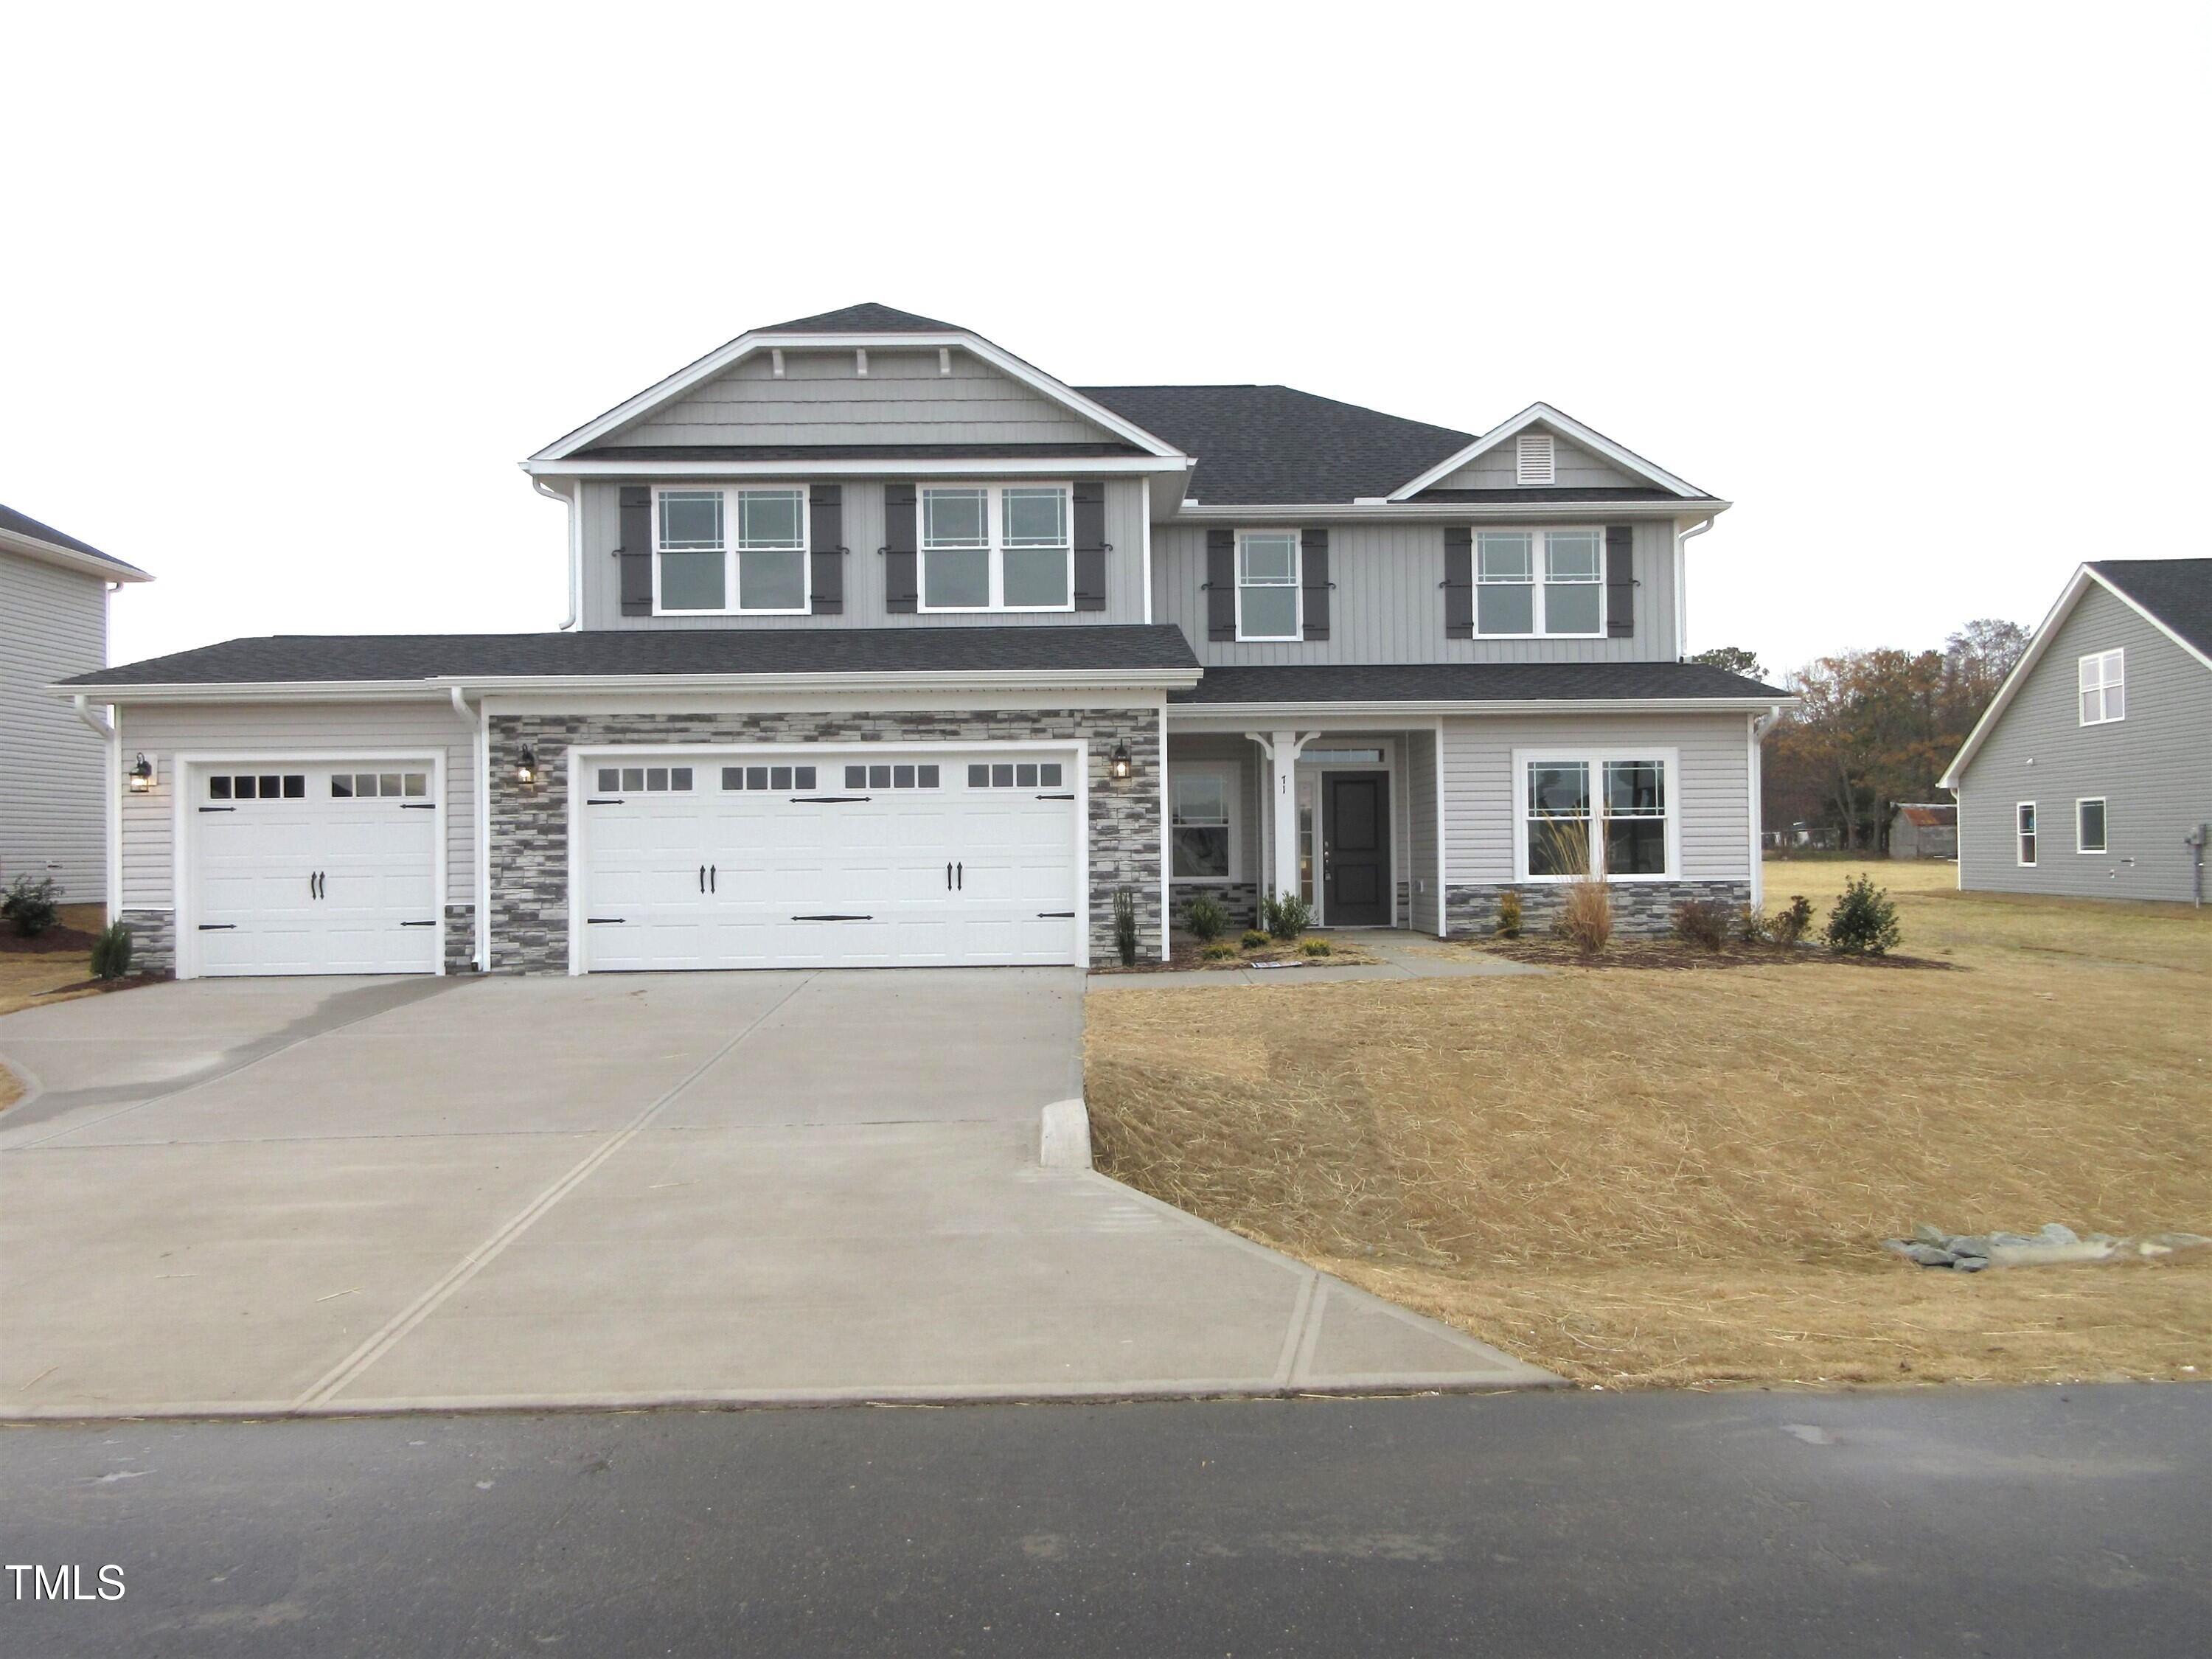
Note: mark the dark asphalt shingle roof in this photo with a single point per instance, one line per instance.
(282, 658)
(867, 318)
(1260, 445)
(1468, 682)
(1555, 493)
(22, 524)
(2178, 591)
(853, 452)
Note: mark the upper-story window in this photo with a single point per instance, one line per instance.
(1267, 585)
(996, 547)
(1540, 582)
(2104, 682)
(700, 566)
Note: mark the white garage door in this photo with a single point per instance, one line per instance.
(326, 868)
(955, 858)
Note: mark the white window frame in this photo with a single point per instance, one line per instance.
(1670, 760)
(2021, 837)
(733, 548)
(1540, 564)
(2108, 691)
(994, 549)
(1296, 586)
(2105, 813)
(1232, 776)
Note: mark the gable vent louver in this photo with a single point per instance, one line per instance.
(1532, 458)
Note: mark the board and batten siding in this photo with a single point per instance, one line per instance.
(2154, 768)
(307, 730)
(822, 399)
(1389, 602)
(1710, 795)
(864, 567)
(53, 768)
(1573, 466)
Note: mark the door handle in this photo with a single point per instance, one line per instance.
(960, 875)
(714, 875)
(702, 877)
(948, 875)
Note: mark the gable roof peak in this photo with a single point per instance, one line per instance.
(869, 316)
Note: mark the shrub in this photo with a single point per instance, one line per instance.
(1702, 922)
(111, 952)
(1750, 927)
(1286, 916)
(1252, 940)
(1125, 926)
(1222, 952)
(1208, 921)
(1508, 916)
(1315, 947)
(1864, 921)
(1586, 918)
(1792, 924)
(31, 905)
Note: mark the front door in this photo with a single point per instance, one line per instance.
(1355, 849)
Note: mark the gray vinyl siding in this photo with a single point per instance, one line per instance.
(2153, 768)
(1571, 465)
(310, 731)
(1389, 602)
(1711, 793)
(822, 399)
(53, 624)
(864, 568)
(1419, 878)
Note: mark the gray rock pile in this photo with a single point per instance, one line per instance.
(1969, 1253)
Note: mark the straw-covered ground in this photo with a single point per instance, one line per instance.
(1659, 1178)
(29, 977)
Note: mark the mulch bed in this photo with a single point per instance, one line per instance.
(55, 939)
(1679, 954)
(1183, 957)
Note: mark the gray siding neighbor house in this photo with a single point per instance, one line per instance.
(888, 648)
(53, 624)
(2091, 774)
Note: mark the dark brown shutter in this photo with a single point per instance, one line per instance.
(1313, 568)
(825, 511)
(1620, 580)
(1090, 546)
(635, 550)
(901, 591)
(1220, 584)
(1459, 583)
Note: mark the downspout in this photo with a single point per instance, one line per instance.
(111, 817)
(1760, 725)
(1682, 585)
(480, 921)
(574, 502)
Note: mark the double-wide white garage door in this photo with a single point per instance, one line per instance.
(791, 859)
(295, 867)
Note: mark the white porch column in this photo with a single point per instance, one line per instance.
(1282, 748)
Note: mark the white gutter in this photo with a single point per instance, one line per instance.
(1041, 679)
(574, 502)
(111, 809)
(1305, 711)
(1051, 466)
(1365, 512)
(1681, 583)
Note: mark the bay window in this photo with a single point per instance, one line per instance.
(1548, 583)
(1606, 814)
(699, 566)
(996, 547)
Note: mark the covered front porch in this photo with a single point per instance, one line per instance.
(1346, 818)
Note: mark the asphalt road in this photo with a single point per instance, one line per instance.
(2050, 1521)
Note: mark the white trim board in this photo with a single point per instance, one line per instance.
(1566, 426)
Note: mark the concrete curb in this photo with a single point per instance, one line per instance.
(1064, 1135)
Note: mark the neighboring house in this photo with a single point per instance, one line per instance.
(1924, 830)
(2092, 772)
(53, 624)
(893, 649)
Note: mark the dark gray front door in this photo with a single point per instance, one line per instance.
(1355, 849)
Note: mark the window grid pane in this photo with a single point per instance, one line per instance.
(691, 519)
(771, 519)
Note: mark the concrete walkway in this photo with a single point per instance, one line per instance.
(1402, 956)
(258, 1197)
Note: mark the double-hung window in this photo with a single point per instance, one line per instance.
(702, 566)
(2104, 688)
(1605, 815)
(1548, 583)
(1200, 822)
(1267, 585)
(996, 547)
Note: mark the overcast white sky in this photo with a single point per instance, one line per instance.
(287, 293)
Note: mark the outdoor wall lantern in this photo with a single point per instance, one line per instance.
(1118, 765)
(526, 767)
(141, 775)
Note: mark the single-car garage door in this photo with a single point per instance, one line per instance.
(949, 858)
(322, 868)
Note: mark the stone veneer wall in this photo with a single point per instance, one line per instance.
(530, 834)
(1240, 898)
(153, 940)
(460, 938)
(1645, 908)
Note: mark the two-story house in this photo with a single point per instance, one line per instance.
(890, 648)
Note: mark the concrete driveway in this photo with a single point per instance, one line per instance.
(329, 1196)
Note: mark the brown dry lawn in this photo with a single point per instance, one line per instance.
(1650, 1178)
(27, 981)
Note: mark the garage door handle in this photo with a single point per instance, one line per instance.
(833, 918)
(602, 800)
(1057, 915)
(218, 926)
(948, 877)
(702, 877)
(713, 877)
(960, 876)
(601, 921)
(432, 923)
(1066, 797)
